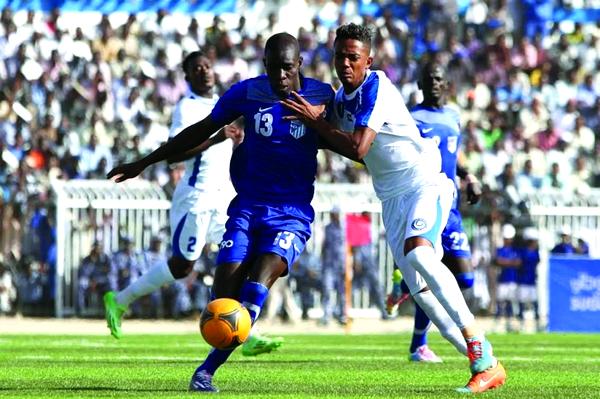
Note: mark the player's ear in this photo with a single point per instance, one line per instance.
(300, 60)
(369, 61)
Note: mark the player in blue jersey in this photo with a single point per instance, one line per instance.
(508, 259)
(442, 124)
(372, 123)
(527, 277)
(273, 172)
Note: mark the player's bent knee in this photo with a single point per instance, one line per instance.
(465, 280)
(421, 257)
(180, 267)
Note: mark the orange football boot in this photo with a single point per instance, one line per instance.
(491, 378)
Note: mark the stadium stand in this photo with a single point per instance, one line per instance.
(84, 87)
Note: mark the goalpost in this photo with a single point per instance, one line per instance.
(89, 211)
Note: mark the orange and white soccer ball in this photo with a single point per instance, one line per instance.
(225, 323)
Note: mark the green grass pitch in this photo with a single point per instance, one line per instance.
(324, 366)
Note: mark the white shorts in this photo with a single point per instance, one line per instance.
(422, 213)
(527, 293)
(506, 292)
(196, 218)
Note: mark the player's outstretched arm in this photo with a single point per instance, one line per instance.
(190, 137)
(353, 145)
(228, 132)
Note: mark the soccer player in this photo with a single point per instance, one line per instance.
(273, 172)
(374, 125)
(199, 205)
(527, 277)
(441, 123)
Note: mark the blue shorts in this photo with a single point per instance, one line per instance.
(454, 239)
(254, 229)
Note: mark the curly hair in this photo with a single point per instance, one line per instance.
(354, 32)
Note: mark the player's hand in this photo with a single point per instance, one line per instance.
(234, 133)
(473, 190)
(302, 109)
(125, 171)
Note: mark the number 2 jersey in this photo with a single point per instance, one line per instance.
(442, 126)
(276, 163)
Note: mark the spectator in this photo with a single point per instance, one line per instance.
(306, 272)
(527, 278)
(333, 268)
(8, 291)
(126, 265)
(366, 271)
(91, 157)
(93, 280)
(508, 260)
(564, 245)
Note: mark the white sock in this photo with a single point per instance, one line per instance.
(155, 278)
(442, 283)
(438, 315)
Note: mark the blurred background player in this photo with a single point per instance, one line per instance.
(365, 268)
(199, 205)
(508, 260)
(527, 278)
(375, 126)
(333, 253)
(273, 172)
(442, 124)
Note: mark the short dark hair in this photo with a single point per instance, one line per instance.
(353, 31)
(188, 59)
(282, 40)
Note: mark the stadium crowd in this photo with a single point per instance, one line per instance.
(77, 99)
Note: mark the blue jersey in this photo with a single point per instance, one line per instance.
(527, 273)
(563, 248)
(508, 274)
(443, 126)
(276, 163)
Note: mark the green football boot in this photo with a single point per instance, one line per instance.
(113, 313)
(258, 344)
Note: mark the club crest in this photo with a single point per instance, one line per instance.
(297, 129)
(418, 224)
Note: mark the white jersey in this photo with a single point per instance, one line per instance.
(208, 171)
(399, 160)
(199, 206)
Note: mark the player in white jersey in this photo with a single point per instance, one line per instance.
(375, 126)
(199, 205)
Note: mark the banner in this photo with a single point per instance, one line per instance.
(132, 6)
(574, 294)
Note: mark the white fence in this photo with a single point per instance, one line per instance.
(89, 210)
(100, 210)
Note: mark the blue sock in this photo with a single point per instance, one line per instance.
(214, 360)
(422, 324)
(253, 297)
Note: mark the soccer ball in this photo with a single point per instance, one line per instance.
(225, 323)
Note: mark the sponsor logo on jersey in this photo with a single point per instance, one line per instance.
(418, 224)
(226, 244)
